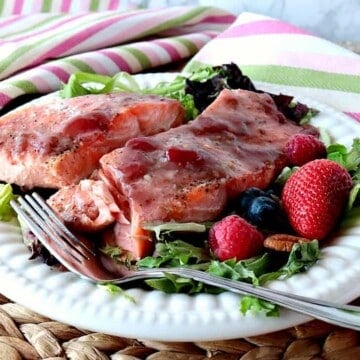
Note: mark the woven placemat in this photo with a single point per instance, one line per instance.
(25, 334)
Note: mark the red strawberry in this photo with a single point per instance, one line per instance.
(302, 148)
(314, 197)
(234, 237)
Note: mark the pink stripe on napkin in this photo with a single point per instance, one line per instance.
(4, 99)
(117, 59)
(114, 4)
(68, 44)
(55, 26)
(57, 71)
(355, 115)
(170, 49)
(43, 84)
(268, 26)
(213, 19)
(10, 20)
(18, 5)
(319, 62)
(65, 5)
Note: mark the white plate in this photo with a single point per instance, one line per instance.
(65, 297)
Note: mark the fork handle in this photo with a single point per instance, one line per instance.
(346, 316)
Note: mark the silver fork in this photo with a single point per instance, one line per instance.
(78, 257)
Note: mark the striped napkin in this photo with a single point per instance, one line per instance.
(272, 51)
(16, 7)
(39, 51)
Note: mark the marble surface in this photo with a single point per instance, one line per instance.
(336, 20)
(351, 45)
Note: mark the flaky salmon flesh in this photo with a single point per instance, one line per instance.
(191, 172)
(55, 142)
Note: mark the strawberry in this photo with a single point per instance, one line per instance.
(234, 237)
(302, 148)
(314, 197)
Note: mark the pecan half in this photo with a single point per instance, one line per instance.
(283, 242)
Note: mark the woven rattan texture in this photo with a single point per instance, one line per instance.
(28, 335)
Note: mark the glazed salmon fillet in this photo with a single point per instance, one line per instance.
(54, 142)
(190, 173)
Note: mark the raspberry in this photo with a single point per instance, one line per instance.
(234, 237)
(302, 148)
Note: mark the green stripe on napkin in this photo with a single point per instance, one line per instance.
(303, 77)
(46, 5)
(80, 65)
(286, 75)
(139, 55)
(26, 86)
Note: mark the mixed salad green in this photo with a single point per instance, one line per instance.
(196, 92)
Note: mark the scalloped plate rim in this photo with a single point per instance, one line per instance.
(69, 299)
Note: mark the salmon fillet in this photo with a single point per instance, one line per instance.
(87, 207)
(53, 142)
(189, 173)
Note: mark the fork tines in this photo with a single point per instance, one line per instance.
(47, 226)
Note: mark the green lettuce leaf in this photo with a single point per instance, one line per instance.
(350, 160)
(301, 258)
(256, 305)
(254, 270)
(6, 195)
(175, 253)
(171, 284)
(248, 270)
(117, 290)
(82, 83)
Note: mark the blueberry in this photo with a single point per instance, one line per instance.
(263, 211)
(248, 196)
(270, 193)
